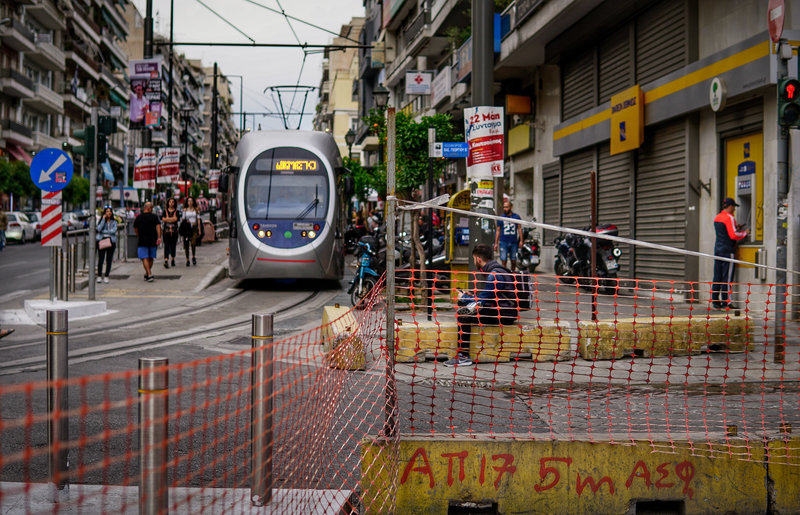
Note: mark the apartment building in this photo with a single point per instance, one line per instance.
(338, 108)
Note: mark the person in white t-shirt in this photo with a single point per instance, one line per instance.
(192, 216)
(139, 103)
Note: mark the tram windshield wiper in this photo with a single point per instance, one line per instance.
(312, 205)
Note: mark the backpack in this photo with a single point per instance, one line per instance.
(524, 289)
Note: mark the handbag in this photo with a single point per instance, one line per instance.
(103, 244)
(185, 228)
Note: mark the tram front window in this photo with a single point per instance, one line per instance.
(293, 197)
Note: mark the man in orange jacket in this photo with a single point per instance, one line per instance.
(728, 233)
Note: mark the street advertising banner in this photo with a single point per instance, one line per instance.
(144, 168)
(418, 83)
(145, 97)
(484, 131)
(213, 181)
(169, 165)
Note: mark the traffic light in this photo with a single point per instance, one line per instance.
(102, 147)
(106, 125)
(87, 149)
(789, 102)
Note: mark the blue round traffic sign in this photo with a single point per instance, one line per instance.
(51, 169)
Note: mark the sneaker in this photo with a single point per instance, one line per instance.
(469, 309)
(166, 264)
(99, 279)
(173, 262)
(730, 305)
(105, 279)
(194, 261)
(149, 278)
(187, 263)
(460, 359)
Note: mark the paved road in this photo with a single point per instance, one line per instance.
(23, 268)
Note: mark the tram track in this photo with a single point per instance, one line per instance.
(283, 310)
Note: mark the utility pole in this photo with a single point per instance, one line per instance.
(93, 207)
(214, 115)
(784, 54)
(148, 53)
(171, 64)
(482, 231)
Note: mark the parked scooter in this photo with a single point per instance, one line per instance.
(368, 272)
(352, 234)
(573, 259)
(529, 254)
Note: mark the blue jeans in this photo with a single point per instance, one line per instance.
(508, 250)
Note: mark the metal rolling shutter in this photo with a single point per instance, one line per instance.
(551, 179)
(662, 40)
(576, 189)
(616, 65)
(614, 198)
(661, 202)
(578, 73)
(741, 118)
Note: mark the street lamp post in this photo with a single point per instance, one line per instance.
(241, 103)
(185, 112)
(349, 139)
(381, 97)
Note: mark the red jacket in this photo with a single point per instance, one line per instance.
(727, 235)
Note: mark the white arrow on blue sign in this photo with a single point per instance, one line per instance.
(51, 169)
(455, 149)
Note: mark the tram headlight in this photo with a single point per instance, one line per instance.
(261, 234)
(269, 234)
(312, 234)
(316, 227)
(255, 227)
(303, 234)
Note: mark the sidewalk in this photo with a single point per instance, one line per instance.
(127, 295)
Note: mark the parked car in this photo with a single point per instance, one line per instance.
(19, 229)
(70, 222)
(35, 218)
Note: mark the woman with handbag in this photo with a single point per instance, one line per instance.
(170, 219)
(106, 243)
(192, 218)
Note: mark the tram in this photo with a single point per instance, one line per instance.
(286, 194)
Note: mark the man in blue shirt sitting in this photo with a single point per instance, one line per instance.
(494, 302)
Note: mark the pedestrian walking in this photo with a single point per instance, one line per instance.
(728, 234)
(3, 227)
(106, 243)
(508, 237)
(169, 220)
(495, 302)
(192, 217)
(148, 232)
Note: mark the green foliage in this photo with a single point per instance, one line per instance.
(15, 178)
(365, 179)
(412, 148)
(77, 191)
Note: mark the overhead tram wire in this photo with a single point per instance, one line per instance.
(305, 55)
(282, 13)
(226, 21)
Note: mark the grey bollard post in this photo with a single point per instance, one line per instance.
(261, 412)
(57, 401)
(73, 270)
(61, 272)
(153, 428)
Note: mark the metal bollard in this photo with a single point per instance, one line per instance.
(73, 271)
(261, 412)
(57, 401)
(153, 406)
(61, 272)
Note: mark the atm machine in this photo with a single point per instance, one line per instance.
(746, 216)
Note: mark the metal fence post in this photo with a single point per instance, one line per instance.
(153, 406)
(57, 401)
(261, 413)
(62, 273)
(73, 268)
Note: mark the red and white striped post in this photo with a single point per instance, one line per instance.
(51, 231)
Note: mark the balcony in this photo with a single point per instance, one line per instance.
(14, 84)
(414, 29)
(16, 133)
(107, 40)
(46, 54)
(79, 99)
(15, 35)
(42, 141)
(46, 14)
(79, 56)
(82, 19)
(45, 99)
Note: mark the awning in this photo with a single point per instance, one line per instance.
(118, 99)
(19, 153)
(107, 173)
(113, 24)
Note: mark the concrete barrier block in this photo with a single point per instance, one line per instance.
(344, 349)
(548, 342)
(425, 340)
(662, 336)
(494, 343)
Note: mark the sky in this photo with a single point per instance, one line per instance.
(261, 67)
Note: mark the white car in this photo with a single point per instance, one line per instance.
(35, 218)
(19, 229)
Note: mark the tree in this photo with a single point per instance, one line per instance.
(76, 192)
(15, 179)
(411, 158)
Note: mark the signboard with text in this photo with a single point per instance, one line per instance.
(418, 83)
(145, 96)
(144, 169)
(169, 165)
(484, 132)
(213, 181)
(627, 120)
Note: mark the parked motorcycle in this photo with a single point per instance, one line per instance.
(528, 256)
(352, 234)
(573, 259)
(368, 271)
